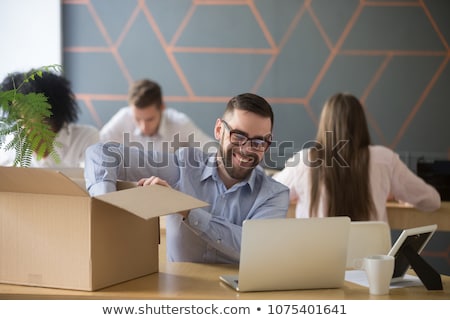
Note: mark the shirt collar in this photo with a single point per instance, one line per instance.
(210, 170)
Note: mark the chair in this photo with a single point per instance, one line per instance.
(367, 238)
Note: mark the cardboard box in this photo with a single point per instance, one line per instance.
(53, 234)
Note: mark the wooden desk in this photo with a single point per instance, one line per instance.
(403, 216)
(200, 281)
(196, 281)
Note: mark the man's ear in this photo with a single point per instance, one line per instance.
(218, 129)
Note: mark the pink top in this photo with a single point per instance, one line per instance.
(388, 176)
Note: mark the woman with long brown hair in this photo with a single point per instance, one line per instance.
(342, 174)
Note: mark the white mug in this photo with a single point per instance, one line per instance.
(379, 270)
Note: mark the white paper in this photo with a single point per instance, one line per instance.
(360, 277)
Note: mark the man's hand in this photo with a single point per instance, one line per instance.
(151, 181)
(156, 180)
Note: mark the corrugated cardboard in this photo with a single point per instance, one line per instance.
(53, 234)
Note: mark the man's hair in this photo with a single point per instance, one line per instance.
(144, 93)
(252, 103)
(55, 87)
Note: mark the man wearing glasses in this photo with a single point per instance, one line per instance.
(230, 180)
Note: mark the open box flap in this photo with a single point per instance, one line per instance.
(38, 181)
(151, 201)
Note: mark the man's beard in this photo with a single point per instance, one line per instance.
(238, 172)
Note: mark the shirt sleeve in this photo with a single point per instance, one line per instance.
(114, 129)
(289, 175)
(408, 187)
(6, 157)
(225, 236)
(204, 139)
(105, 163)
(90, 137)
(190, 134)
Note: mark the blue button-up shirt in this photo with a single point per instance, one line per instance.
(211, 234)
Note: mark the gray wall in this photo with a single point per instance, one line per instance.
(394, 55)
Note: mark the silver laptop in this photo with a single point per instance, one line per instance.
(291, 254)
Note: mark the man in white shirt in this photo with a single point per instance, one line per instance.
(147, 123)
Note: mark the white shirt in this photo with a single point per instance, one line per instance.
(70, 144)
(173, 123)
(388, 176)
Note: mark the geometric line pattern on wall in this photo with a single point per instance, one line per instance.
(289, 62)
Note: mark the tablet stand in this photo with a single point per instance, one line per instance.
(429, 277)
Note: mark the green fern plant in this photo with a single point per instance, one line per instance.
(22, 116)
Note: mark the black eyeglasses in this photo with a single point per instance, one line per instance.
(240, 138)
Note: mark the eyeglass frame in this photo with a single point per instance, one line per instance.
(267, 139)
